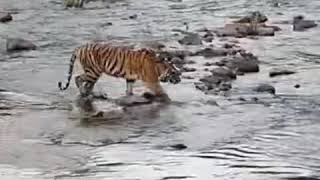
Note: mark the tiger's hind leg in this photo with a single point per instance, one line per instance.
(129, 90)
(85, 84)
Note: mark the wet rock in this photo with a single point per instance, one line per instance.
(299, 24)
(245, 63)
(17, 44)
(265, 88)
(106, 24)
(224, 72)
(279, 72)
(134, 16)
(164, 98)
(5, 17)
(191, 39)
(178, 146)
(240, 30)
(255, 16)
(297, 86)
(212, 52)
(133, 100)
(188, 69)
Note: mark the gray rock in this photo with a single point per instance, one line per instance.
(265, 88)
(279, 72)
(299, 24)
(212, 52)
(5, 17)
(245, 63)
(224, 72)
(18, 44)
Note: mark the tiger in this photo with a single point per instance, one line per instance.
(121, 62)
(74, 3)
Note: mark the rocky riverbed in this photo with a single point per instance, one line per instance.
(247, 106)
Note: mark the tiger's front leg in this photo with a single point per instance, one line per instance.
(129, 90)
(159, 93)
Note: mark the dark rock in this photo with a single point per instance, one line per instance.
(5, 17)
(209, 64)
(297, 86)
(169, 55)
(226, 86)
(245, 63)
(279, 72)
(224, 72)
(255, 16)
(179, 146)
(299, 24)
(191, 39)
(212, 52)
(107, 24)
(265, 88)
(188, 69)
(134, 16)
(17, 44)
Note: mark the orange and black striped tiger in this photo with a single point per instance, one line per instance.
(118, 61)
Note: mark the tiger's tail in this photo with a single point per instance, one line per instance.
(72, 60)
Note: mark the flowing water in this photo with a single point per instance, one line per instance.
(43, 137)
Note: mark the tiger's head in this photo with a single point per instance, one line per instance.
(166, 70)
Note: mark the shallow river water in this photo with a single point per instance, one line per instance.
(43, 137)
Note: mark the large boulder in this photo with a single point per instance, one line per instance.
(18, 44)
(5, 17)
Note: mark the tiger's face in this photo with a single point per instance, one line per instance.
(171, 74)
(168, 71)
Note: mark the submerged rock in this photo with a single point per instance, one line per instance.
(265, 88)
(279, 72)
(17, 44)
(212, 52)
(5, 17)
(299, 24)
